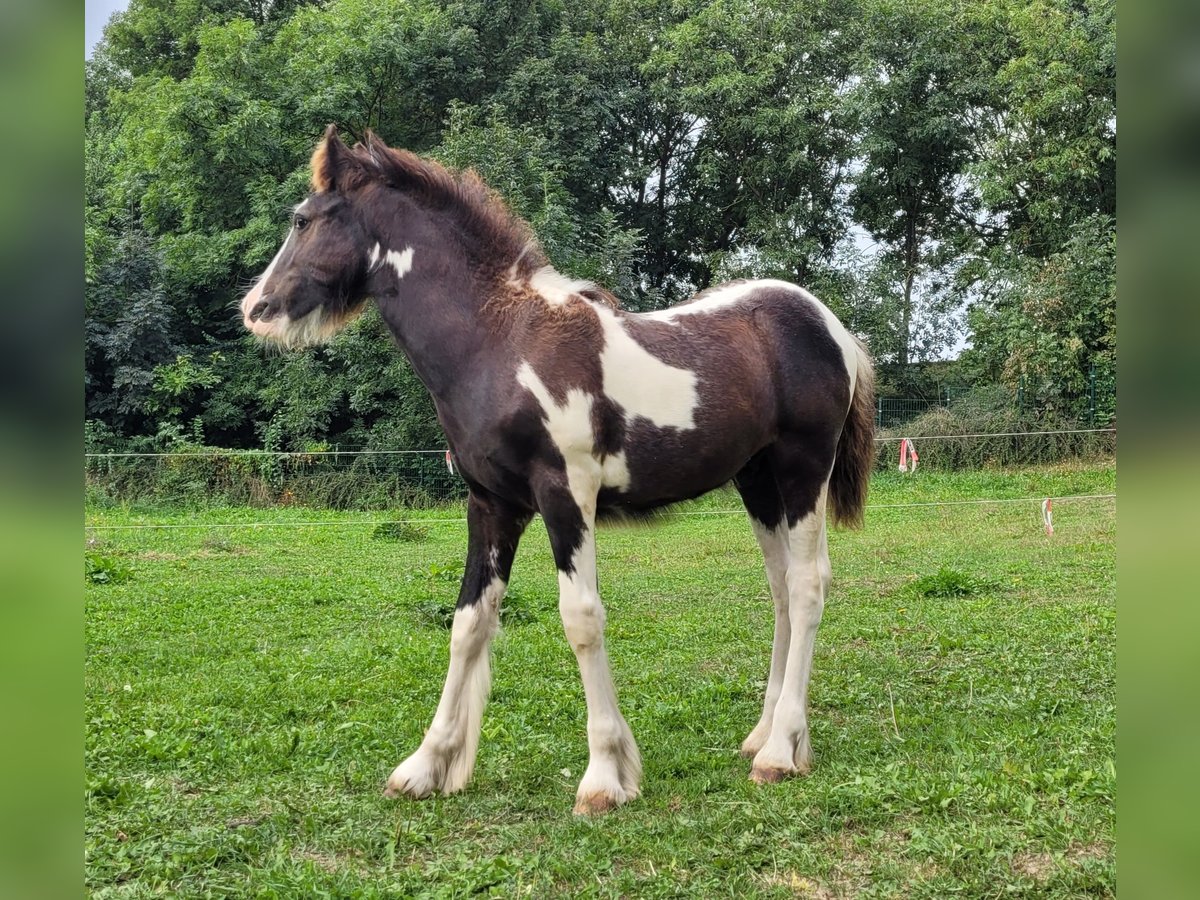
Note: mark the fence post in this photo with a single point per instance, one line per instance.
(1021, 395)
(878, 412)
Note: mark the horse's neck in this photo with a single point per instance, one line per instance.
(434, 312)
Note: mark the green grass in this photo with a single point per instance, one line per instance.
(249, 689)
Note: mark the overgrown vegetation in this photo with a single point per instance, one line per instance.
(245, 705)
(100, 568)
(987, 428)
(408, 532)
(948, 582)
(657, 146)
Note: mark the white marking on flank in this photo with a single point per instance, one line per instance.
(838, 332)
(641, 383)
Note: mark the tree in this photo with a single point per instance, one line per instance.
(917, 87)
(1052, 327)
(128, 334)
(1049, 150)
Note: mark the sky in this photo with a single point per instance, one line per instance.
(96, 14)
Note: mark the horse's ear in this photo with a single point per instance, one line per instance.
(330, 161)
(374, 147)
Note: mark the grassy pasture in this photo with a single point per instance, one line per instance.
(248, 690)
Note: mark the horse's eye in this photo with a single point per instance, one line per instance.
(301, 222)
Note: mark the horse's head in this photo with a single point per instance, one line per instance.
(317, 282)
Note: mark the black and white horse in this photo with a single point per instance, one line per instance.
(554, 400)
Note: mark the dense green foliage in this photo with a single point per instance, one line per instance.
(248, 689)
(655, 146)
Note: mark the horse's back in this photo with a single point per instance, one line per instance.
(670, 404)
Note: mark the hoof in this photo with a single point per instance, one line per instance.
(595, 804)
(748, 752)
(769, 775)
(411, 779)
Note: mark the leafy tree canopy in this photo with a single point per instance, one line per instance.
(906, 160)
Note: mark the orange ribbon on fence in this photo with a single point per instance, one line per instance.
(908, 455)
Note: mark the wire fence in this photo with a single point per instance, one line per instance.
(459, 520)
(422, 479)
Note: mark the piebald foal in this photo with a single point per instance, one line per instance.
(556, 401)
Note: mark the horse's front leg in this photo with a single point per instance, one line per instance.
(446, 758)
(614, 771)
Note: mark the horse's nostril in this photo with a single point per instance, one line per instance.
(259, 309)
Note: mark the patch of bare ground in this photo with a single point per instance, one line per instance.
(859, 857)
(330, 862)
(1040, 866)
(799, 885)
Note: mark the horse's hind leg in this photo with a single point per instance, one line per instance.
(446, 758)
(802, 472)
(760, 493)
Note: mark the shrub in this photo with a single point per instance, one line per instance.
(1005, 437)
(101, 569)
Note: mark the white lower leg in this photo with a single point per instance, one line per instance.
(446, 757)
(614, 769)
(787, 749)
(774, 545)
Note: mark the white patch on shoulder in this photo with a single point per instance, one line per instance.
(642, 383)
(570, 427)
(556, 288)
(402, 262)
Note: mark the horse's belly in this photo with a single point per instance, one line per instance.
(673, 467)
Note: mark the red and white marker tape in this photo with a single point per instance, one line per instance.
(449, 462)
(1048, 515)
(908, 455)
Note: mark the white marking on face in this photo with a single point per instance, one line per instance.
(296, 334)
(255, 294)
(556, 288)
(642, 383)
(402, 262)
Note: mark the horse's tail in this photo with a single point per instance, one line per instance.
(856, 448)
